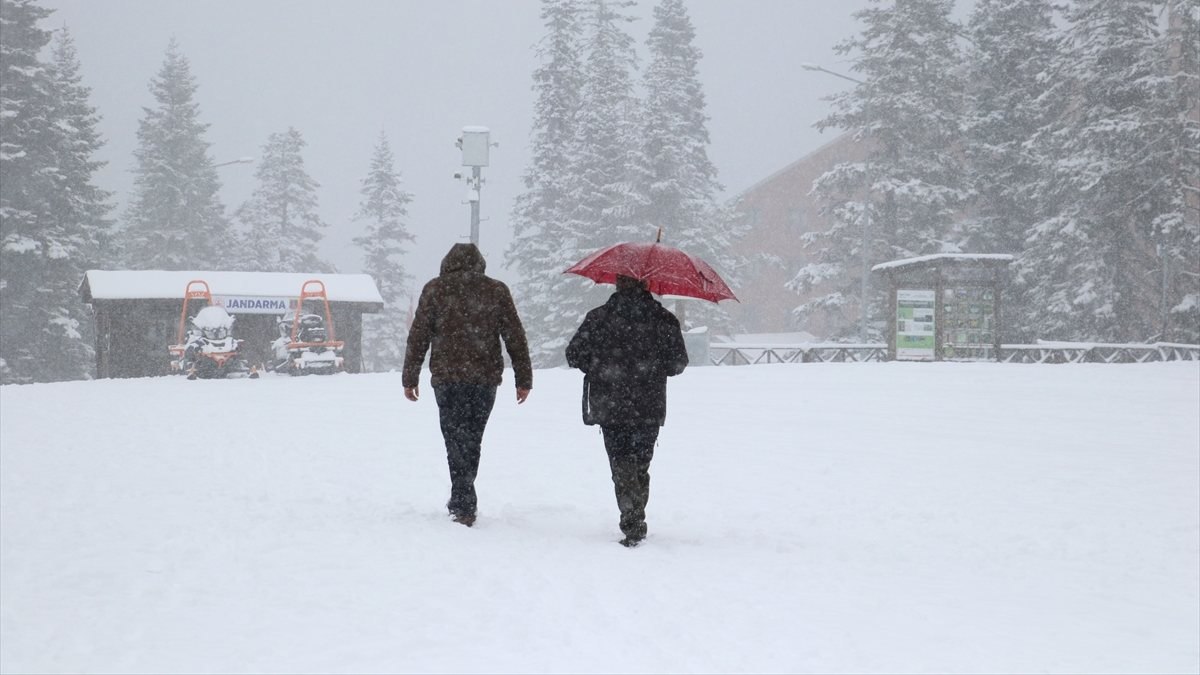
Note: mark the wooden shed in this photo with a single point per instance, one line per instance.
(945, 306)
(137, 313)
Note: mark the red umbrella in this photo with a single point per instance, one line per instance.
(666, 270)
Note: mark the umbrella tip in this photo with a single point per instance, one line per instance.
(658, 239)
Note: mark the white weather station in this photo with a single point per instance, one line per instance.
(475, 142)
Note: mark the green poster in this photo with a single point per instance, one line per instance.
(914, 325)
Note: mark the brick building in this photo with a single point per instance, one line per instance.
(779, 209)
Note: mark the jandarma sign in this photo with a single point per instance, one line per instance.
(247, 304)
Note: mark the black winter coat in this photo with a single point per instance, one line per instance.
(627, 348)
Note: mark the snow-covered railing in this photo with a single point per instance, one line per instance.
(738, 354)
(1093, 352)
(741, 354)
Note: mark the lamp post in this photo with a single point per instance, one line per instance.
(866, 218)
(813, 66)
(239, 160)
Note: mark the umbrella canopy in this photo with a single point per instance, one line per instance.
(666, 270)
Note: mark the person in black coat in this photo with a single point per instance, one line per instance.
(627, 348)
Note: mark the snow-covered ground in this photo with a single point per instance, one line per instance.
(803, 518)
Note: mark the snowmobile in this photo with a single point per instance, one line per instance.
(196, 291)
(208, 349)
(212, 351)
(306, 343)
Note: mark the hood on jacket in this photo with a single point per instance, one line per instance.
(463, 258)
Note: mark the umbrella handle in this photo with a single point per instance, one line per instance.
(658, 239)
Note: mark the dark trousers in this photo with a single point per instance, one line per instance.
(464, 410)
(630, 450)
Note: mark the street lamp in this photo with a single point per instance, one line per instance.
(239, 160)
(813, 66)
(866, 219)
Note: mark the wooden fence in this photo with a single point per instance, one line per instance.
(1068, 352)
(737, 354)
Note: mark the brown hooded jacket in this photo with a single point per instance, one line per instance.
(463, 315)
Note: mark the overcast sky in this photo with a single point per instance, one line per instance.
(420, 70)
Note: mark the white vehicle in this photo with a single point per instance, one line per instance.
(306, 343)
(207, 350)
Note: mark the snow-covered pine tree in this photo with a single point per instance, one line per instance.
(908, 193)
(677, 182)
(603, 200)
(175, 220)
(78, 234)
(539, 213)
(83, 204)
(1013, 43)
(283, 228)
(52, 215)
(1091, 262)
(600, 201)
(1178, 226)
(384, 209)
(26, 129)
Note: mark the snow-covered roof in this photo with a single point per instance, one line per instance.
(847, 136)
(161, 284)
(947, 257)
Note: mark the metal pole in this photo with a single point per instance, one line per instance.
(1162, 256)
(862, 326)
(476, 184)
(866, 241)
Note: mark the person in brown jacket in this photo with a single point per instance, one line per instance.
(464, 315)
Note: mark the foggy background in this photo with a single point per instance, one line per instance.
(420, 70)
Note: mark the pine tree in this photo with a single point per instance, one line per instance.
(678, 183)
(26, 128)
(600, 199)
(384, 208)
(1091, 262)
(78, 235)
(1013, 43)
(605, 204)
(1177, 226)
(175, 220)
(904, 199)
(540, 213)
(52, 214)
(281, 219)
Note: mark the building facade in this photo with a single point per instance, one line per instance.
(779, 210)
